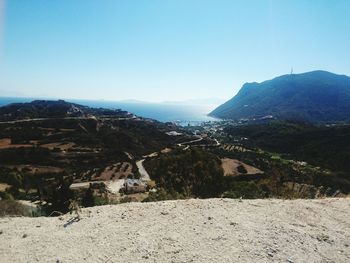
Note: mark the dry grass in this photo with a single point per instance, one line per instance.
(3, 187)
(32, 169)
(62, 146)
(7, 143)
(117, 171)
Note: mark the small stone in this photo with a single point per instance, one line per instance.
(233, 223)
(24, 236)
(270, 254)
(210, 218)
(1, 232)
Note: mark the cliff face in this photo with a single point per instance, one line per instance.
(317, 96)
(212, 230)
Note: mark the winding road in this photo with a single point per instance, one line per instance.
(185, 143)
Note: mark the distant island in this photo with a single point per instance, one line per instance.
(317, 96)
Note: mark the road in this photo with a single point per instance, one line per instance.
(185, 143)
(65, 118)
(144, 174)
(217, 143)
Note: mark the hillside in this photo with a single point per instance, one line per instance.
(53, 109)
(51, 150)
(317, 96)
(212, 230)
(327, 147)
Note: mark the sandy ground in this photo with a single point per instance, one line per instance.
(213, 230)
(230, 167)
(115, 186)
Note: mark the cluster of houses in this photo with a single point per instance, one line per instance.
(132, 186)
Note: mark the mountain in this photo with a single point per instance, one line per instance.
(316, 96)
(52, 109)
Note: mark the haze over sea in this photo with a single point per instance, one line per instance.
(183, 113)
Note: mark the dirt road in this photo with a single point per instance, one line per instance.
(144, 174)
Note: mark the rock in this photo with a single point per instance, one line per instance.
(324, 238)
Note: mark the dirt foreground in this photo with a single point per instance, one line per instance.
(213, 230)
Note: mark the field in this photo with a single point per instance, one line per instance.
(231, 167)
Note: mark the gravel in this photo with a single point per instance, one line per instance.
(212, 230)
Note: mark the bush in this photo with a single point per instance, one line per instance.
(13, 208)
(162, 195)
(88, 199)
(192, 173)
(246, 190)
(241, 169)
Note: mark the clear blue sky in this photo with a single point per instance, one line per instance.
(157, 50)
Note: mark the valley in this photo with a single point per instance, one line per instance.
(55, 154)
(175, 131)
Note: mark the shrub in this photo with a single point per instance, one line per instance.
(88, 199)
(193, 173)
(246, 190)
(162, 195)
(12, 208)
(241, 169)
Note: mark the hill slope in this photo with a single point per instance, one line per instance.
(48, 146)
(52, 109)
(212, 230)
(317, 96)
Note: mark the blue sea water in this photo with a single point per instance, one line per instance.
(180, 113)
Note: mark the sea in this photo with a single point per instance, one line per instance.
(181, 113)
